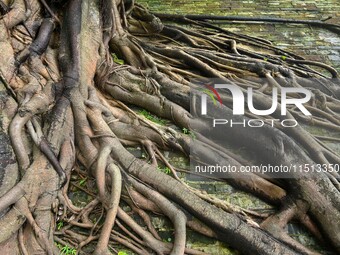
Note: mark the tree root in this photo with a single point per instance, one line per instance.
(84, 113)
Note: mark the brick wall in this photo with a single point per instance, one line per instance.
(311, 42)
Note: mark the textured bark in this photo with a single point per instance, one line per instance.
(65, 100)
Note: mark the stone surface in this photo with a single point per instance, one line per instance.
(302, 39)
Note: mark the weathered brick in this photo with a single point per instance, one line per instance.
(304, 40)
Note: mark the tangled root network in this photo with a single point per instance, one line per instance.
(73, 74)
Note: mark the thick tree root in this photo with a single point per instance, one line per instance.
(112, 55)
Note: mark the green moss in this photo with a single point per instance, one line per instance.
(184, 7)
(152, 117)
